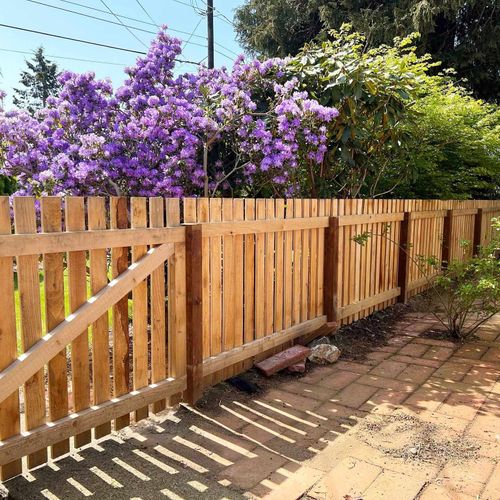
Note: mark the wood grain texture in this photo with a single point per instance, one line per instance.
(53, 272)
(158, 309)
(121, 341)
(77, 281)
(139, 219)
(28, 280)
(100, 328)
(9, 408)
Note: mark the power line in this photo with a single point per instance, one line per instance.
(64, 57)
(103, 20)
(119, 15)
(195, 28)
(97, 44)
(146, 12)
(124, 25)
(131, 19)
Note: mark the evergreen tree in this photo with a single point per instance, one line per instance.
(38, 82)
(464, 34)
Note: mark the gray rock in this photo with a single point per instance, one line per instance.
(324, 354)
(319, 341)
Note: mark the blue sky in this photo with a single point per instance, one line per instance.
(177, 14)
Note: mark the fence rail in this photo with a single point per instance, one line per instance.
(113, 308)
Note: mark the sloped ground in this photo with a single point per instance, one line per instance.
(416, 418)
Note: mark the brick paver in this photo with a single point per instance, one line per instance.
(354, 429)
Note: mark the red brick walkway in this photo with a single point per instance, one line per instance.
(419, 418)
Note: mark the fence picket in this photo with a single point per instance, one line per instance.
(157, 299)
(53, 273)
(100, 329)
(9, 409)
(139, 219)
(121, 349)
(28, 278)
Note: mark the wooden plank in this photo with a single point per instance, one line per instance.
(46, 348)
(427, 214)
(95, 416)
(238, 214)
(351, 309)
(260, 311)
(278, 287)
(306, 263)
(322, 210)
(447, 239)
(177, 297)
(313, 264)
(31, 244)
(139, 219)
(331, 274)
(121, 349)
(288, 269)
(249, 277)
(259, 346)
(9, 409)
(216, 280)
(458, 212)
(53, 272)
(77, 283)
(229, 228)
(424, 281)
(353, 219)
(100, 328)
(158, 306)
(228, 283)
(404, 259)
(269, 283)
(297, 265)
(203, 215)
(31, 325)
(195, 316)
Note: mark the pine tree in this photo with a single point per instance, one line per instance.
(39, 82)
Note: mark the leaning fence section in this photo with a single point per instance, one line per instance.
(113, 308)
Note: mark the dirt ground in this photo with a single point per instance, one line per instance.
(401, 415)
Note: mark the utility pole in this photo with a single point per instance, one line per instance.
(210, 32)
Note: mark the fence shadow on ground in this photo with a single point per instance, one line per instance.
(234, 442)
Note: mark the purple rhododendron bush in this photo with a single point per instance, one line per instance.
(239, 132)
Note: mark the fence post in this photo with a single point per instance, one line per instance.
(404, 258)
(331, 270)
(447, 233)
(194, 323)
(478, 230)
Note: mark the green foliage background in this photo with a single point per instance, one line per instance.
(404, 130)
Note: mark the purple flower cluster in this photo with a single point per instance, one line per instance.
(147, 138)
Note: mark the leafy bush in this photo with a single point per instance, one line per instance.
(467, 293)
(374, 92)
(403, 130)
(7, 185)
(452, 148)
(463, 293)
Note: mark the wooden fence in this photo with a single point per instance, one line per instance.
(113, 308)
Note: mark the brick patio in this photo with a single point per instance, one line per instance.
(346, 429)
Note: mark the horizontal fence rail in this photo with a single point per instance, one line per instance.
(113, 308)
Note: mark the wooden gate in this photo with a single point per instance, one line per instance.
(98, 369)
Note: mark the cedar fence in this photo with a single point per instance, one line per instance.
(112, 309)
